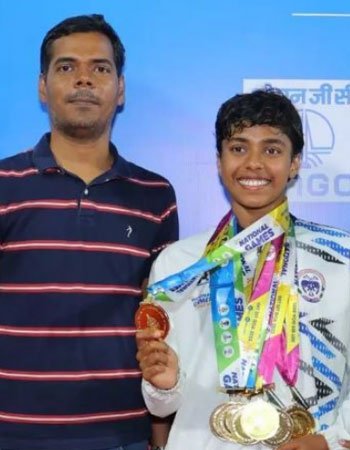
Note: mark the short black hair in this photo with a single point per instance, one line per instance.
(267, 106)
(82, 24)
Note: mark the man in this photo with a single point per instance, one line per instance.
(80, 226)
(259, 340)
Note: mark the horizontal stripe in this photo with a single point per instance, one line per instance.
(66, 332)
(65, 419)
(72, 204)
(168, 211)
(148, 182)
(75, 245)
(104, 207)
(69, 376)
(18, 173)
(161, 247)
(44, 204)
(70, 288)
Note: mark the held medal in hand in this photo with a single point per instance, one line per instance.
(151, 315)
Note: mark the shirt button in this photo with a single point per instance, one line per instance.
(86, 192)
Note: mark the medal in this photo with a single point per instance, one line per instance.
(299, 421)
(303, 421)
(223, 424)
(151, 315)
(239, 436)
(214, 422)
(259, 420)
(284, 433)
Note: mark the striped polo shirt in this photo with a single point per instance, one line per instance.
(72, 261)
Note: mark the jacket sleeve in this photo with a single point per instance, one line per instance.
(341, 428)
(160, 402)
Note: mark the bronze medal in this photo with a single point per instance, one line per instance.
(151, 315)
(303, 421)
(284, 433)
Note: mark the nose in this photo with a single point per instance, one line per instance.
(83, 78)
(254, 161)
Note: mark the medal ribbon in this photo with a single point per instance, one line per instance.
(281, 347)
(220, 250)
(239, 340)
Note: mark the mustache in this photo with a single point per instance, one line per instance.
(84, 95)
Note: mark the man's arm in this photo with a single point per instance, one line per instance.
(160, 431)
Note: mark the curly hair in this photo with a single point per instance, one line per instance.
(261, 107)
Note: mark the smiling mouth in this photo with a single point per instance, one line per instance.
(254, 182)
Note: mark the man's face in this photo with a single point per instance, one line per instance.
(81, 88)
(255, 165)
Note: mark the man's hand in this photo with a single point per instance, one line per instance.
(158, 362)
(344, 443)
(310, 442)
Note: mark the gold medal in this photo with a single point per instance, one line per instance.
(303, 421)
(260, 420)
(236, 430)
(221, 424)
(284, 433)
(215, 423)
(151, 315)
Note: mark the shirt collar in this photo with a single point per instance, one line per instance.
(44, 160)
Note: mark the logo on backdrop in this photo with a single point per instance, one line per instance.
(323, 106)
(317, 144)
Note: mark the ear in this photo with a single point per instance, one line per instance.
(121, 91)
(218, 163)
(295, 166)
(42, 88)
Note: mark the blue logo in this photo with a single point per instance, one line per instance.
(318, 135)
(312, 285)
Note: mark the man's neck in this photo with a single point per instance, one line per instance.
(85, 158)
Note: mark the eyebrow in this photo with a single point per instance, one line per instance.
(265, 141)
(66, 59)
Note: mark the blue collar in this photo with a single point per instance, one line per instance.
(44, 159)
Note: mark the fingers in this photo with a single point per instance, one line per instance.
(155, 358)
(158, 362)
(151, 349)
(309, 442)
(344, 443)
(149, 373)
(147, 335)
(152, 353)
(292, 445)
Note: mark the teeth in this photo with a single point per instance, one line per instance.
(253, 183)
